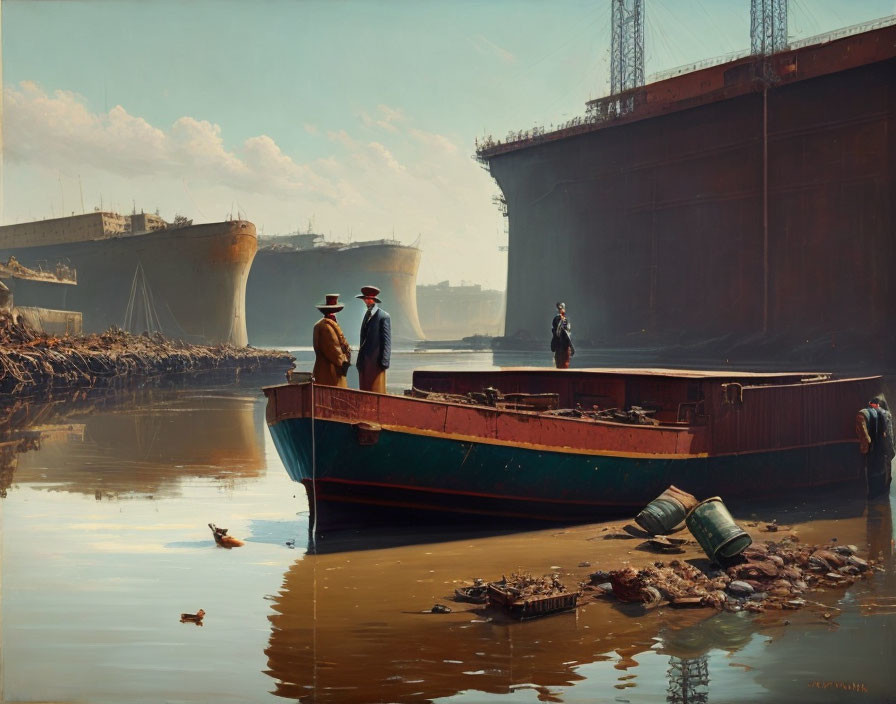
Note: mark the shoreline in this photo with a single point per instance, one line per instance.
(34, 362)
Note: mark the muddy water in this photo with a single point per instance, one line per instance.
(105, 543)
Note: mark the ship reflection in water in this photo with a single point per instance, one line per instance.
(352, 626)
(105, 543)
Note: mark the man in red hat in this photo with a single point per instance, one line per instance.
(332, 354)
(376, 343)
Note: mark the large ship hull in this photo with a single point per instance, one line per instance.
(742, 212)
(190, 281)
(285, 285)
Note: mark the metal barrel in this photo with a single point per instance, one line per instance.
(666, 513)
(661, 516)
(715, 530)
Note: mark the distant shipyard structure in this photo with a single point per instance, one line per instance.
(453, 312)
(293, 273)
(142, 273)
(740, 212)
(21, 285)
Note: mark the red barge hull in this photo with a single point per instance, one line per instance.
(734, 435)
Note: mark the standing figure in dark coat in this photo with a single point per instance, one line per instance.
(376, 343)
(874, 428)
(561, 341)
(332, 354)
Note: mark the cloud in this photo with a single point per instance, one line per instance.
(386, 156)
(386, 118)
(58, 131)
(434, 141)
(408, 179)
(489, 48)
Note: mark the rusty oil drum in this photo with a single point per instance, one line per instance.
(667, 512)
(716, 531)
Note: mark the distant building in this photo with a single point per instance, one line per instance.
(453, 312)
(20, 284)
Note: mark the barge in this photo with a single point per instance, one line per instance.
(614, 440)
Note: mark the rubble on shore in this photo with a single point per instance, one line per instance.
(776, 575)
(773, 575)
(36, 361)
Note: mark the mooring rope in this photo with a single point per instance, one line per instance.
(313, 474)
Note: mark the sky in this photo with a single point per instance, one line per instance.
(356, 118)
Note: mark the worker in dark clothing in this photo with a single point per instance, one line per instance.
(874, 428)
(376, 343)
(889, 440)
(561, 340)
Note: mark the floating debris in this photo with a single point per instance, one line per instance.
(475, 593)
(193, 618)
(524, 596)
(224, 540)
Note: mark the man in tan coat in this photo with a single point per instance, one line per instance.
(332, 354)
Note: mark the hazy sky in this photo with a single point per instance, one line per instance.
(358, 116)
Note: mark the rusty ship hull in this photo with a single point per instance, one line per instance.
(738, 434)
(285, 284)
(188, 282)
(742, 213)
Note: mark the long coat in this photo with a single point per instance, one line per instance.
(331, 351)
(375, 351)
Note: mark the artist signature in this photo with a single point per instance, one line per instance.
(846, 686)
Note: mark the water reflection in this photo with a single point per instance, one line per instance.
(139, 442)
(688, 681)
(350, 626)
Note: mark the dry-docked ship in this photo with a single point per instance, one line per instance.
(743, 212)
(142, 273)
(291, 274)
(454, 312)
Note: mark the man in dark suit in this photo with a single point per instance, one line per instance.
(376, 342)
(561, 338)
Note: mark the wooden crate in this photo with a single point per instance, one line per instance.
(529, 607)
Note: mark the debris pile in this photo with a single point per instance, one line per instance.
(522, 596)
(635, 415)
(492, 397)
(775, 575)
(524, 586)
(31, 360)
(547, 403)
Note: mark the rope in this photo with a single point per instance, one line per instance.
(313, 475)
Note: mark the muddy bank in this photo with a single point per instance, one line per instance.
(768, 575)
(33, 362)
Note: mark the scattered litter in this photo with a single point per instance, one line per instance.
(224, 540)
(474, 593)
(193, 618)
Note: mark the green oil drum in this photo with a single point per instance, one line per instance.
(715, 530)
(666, 513)
(661, 516)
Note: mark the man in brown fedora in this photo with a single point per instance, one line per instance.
(332, 354)
(376, 342)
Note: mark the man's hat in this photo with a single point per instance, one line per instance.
(370, 292)
(332, 305)
(561, 305)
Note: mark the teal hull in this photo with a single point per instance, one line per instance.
(427, 473)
